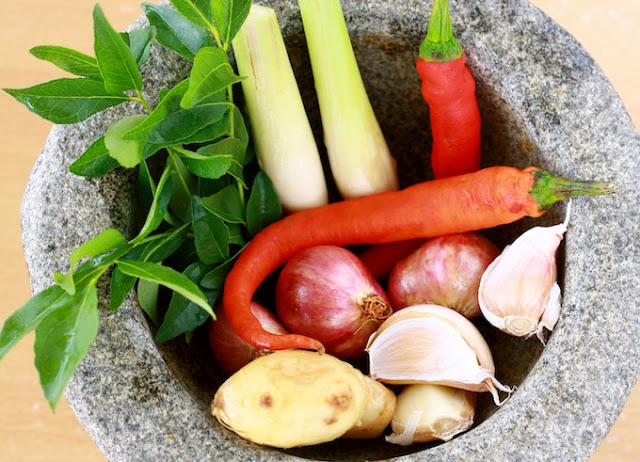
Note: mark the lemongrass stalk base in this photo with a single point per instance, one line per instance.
(285, 145)
(360, 160)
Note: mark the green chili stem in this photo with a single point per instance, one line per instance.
(548, 189)
(440, 45)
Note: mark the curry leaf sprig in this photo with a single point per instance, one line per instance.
(198, 217)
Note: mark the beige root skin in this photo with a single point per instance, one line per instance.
(377, 413)
(297, 398)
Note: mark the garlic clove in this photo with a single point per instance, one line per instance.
(433, 344)
(519, 293)
(551, 313)
(427, 412)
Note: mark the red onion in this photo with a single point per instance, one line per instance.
(444, 271)
(326, 293)
(230, 351)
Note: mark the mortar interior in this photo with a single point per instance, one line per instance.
(386, 65)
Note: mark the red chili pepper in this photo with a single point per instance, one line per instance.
(469, 202)
(449, 89)
(380, 259)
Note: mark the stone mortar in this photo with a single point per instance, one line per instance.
(544, 101)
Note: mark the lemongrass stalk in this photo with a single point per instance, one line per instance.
(359, 157)
(285, 146)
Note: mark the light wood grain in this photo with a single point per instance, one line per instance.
(29, 432)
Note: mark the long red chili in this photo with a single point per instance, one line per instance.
(448, 87)
(483, 199)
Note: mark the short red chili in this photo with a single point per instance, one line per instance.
(449, 89)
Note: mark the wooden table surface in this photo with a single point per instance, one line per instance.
(609, 30)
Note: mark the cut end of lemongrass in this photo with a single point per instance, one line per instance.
(285, 145)
(360, 160)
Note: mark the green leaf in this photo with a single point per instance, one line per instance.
(128, 153)
(236, 172)
(214, 160)
(169, 124)
(178, 127)
(210, 132)
(167, 277)
(67, 101)
(170, 103)
(139, 42)
(66, 282)
(206, 166)
(154, 251)
(229, 16)
(69, 60)
(148, 300)
(161, 249)
(187, 253)
(236, 234)
(87, 270)
(103, 242)
(95, 161)
(63, 338)
(145, 186)
(183, 315)
(159, 205)
(184, 187)
(227, 147)
(211, 235)
(120, 285)
(214, 279)
(164, 92)
(115, 59)
(263, 206)
(226, 204)
(210, 75)
(241, 133)
(175, 32)
(208, 187)
(196, 11)
(28, 316)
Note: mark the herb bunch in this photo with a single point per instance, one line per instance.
(205, 205)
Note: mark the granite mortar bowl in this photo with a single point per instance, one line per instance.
(543, 101)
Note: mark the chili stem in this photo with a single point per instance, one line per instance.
(440, 45)
(548, 189)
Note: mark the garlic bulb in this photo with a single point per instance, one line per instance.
(427, 412)
(519, 293)
(433, 344)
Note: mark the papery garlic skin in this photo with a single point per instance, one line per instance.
(519, 293)
(427, 412)
(433, 344)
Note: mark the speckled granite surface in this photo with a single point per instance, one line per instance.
(543, 102)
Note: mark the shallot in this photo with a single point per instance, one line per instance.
(230, 351)
(326, 293)
(444, 271)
